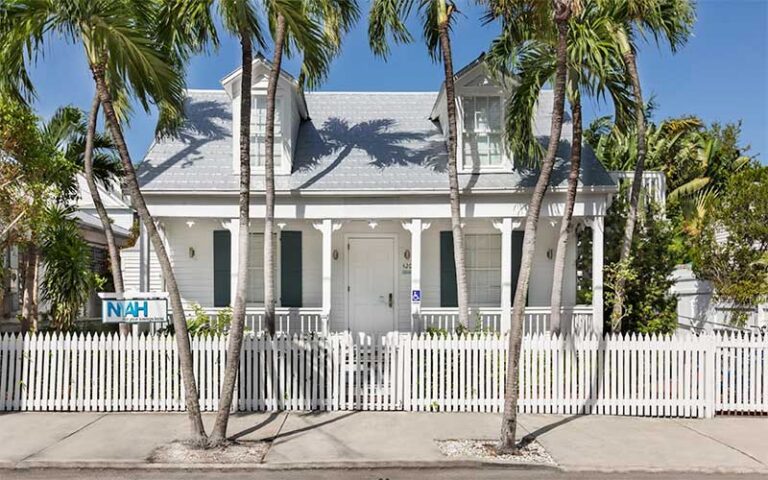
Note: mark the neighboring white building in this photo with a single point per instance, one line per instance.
(92, 232)
(362, 207)
(698, 311)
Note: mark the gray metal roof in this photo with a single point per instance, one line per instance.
(358, 141)
(86, 220)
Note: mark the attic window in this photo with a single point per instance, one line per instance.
(259, 130)
(482, 132)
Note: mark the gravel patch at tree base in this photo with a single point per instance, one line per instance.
(531, 453)
(235, 452)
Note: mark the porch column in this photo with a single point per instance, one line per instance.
(143, 258)
(326, 228)
(144, 264)
(597, 224)
(233, 225)
(505, 226)
(416, 226)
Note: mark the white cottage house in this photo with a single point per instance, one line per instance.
(362, 208)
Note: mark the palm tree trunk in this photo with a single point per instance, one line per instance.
(114, 253)
(566, 224)
(235, 342)
(197, 429)
(269, 178)
(29, 305)
(453, 177)
(617, 312)
(511, 393)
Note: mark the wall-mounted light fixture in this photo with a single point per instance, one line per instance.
(373, 224)
(191, 252)
(190, 223)
(550, 254)
(407, 254)
(335, 254)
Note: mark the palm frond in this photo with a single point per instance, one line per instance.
(535, 66)
(24, 25)
(387, 19)
(689, 188)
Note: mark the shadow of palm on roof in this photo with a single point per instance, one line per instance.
(384, 145)
(206, 122)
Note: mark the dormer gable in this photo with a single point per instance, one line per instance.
(290, 110)
(480, 101)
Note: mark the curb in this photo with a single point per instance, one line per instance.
(345, 465)
(700, 470)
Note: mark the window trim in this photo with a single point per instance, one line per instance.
(279, 168)
(289, 130)
(506, 158)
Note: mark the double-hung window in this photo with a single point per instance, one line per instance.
(481, 144)
(483, 267)
(259, 132)
(255, 289)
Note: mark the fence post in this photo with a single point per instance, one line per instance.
(710, 375)
(405, 345)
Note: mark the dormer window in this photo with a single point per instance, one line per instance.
(259, 131)
(482, 135)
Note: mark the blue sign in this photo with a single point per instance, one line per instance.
(134, 308)
(416, 296)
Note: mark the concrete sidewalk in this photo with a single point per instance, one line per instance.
(586, 443)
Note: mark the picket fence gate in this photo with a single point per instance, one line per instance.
(674, 376)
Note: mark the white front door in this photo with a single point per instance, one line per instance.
(371, 284)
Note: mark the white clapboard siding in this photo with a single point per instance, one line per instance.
(672, 376)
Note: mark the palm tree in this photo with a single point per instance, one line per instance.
(696, 161)
(95, 151)
(114, 252)
(49, 162)
(518, 16)
(672, 20)
(387, 18)
(120, 40)
(314, 28)
(294, 23)
(594, 66)
(194, 21)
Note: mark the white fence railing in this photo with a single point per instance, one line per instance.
(289, 320)
(654, 184)
(679, 376)
(576, 319)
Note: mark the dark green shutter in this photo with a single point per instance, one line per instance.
(290, 269)
(517, 255)
(448, 295)
(222, 268)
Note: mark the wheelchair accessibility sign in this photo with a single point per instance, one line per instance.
(416, 296)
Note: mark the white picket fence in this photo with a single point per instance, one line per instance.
(678, 376)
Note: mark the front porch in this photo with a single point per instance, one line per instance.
(384, 275)
(537, 319)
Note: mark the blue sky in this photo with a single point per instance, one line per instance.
(720, 75)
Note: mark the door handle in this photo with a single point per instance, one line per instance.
(390, 300)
